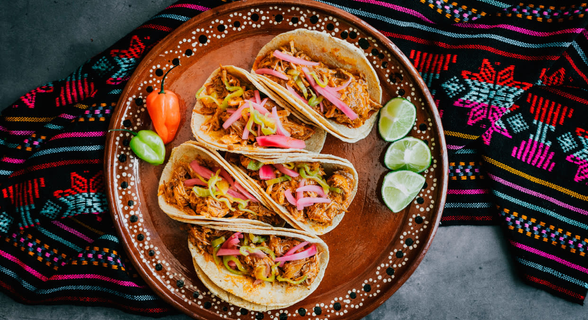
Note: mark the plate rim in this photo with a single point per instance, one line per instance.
(394, 50)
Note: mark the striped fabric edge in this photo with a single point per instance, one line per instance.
(548, 278)
(86, 301)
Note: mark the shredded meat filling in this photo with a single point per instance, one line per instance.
(202, 237)
(322, 213)
(355, 95)
(234, 133)
(178, 195)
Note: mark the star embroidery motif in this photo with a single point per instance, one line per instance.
(489, 95)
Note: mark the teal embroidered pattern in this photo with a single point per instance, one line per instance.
(83, 198)
(517, 123)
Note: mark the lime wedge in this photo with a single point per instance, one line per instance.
(400, 188)
(396, 119)
(408, 154)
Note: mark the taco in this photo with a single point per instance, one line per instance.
(312, 191)
(257, 268)
(195, 186)
(234, 112)
(328, 80)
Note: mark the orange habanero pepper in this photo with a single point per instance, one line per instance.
(164, 110)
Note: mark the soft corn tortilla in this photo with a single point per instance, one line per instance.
(334, 53)
(240, 290)
(187, 152)
(330, 164)
(212, 138)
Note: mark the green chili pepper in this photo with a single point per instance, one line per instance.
(268, 251)
(254, 165)
(246, 250)
(227, 202)
(256, 239)
(218, 242)
(263, 121)
(215, 257)
(147, 145)
(292, 281)
(212, 184)
(260, 274)
(335, 189)
(199, 95)
(322, 84)
(314, 177)
(278, 180)
(201, 192)
(302, 87)
(289, 165)
(241, 201)
(314, 100)
(242, 269)
(242, 208)
(235, 92)
(293, 72)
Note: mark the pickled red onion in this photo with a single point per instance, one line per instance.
(300, 195)
(338, 103)
(262, 103)
(305, 202)
(280, 128)
(245, 192)
(236, 194)
(291, 251)
(257, 97)
(232, 241)
(340, 87)
(322, 108)
(311, 188)
(194, 182)
(297, 256)
(245, 133)
(202, 171)
(286, 57)
(259, 107)
(280, 142)
(228, 252)
(330, 96)
(286, 171)
(271, 72)
(258, 254)
(290, 197)
(266, 172)
(235, 116)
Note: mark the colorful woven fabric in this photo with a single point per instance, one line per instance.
(509, 82)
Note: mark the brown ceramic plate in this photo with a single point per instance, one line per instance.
(373, 251)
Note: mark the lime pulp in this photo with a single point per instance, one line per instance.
(397, 118)
(408, 154)
(400, 188)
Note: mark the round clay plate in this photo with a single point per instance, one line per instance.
(373, 251)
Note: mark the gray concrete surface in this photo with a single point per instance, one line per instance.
(467, 273)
